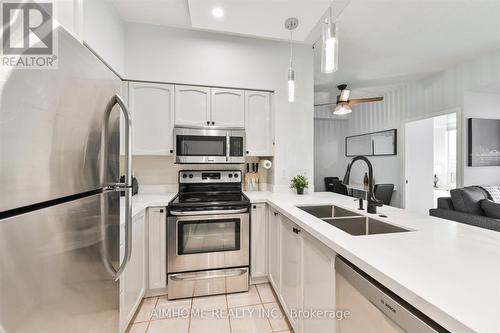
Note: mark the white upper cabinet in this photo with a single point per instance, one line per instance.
(258, 123)
(69, 13)
(192, 106)
(152, 109)
(228, 108)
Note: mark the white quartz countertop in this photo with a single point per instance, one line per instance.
(449, 271)
(142, 201)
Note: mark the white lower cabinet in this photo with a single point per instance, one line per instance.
(259, 243)
(132, 279)
(318, 284)
(156, 248)
(291, 248)
(274, 249)
(302, 273)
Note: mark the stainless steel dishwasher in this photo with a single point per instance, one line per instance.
(373, 308)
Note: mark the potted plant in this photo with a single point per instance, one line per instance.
(299, 182)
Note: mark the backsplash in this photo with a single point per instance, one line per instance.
(161, 170)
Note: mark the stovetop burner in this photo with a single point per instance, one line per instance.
(221, 189)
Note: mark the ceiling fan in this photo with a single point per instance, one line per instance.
(344, 104)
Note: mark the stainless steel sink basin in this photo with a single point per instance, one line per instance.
(350, 221)
(327, 211)
(358, 226)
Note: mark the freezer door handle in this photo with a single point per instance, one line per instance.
(126, 187)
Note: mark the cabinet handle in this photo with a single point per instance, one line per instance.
(161, 210)
(208, 123)
(276, 214)
(171, 151)
(254, 207)
(213, 122)
(247, 152)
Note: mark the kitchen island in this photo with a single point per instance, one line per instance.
(447, 270)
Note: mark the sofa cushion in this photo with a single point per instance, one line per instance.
(445, 203)
(468, 199)
(491, 208)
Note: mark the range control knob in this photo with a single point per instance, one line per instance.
(190, 175)
(235, 175)
(184, 176)
(230, 175)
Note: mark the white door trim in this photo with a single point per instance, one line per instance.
(461, 142)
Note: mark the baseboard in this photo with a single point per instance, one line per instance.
(155, 292)
(258, 280)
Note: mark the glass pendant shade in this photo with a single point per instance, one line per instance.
(291, 85)
(342, 109)
(329, 47)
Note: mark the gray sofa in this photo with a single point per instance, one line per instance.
(469, 205)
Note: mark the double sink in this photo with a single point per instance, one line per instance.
(350, 221)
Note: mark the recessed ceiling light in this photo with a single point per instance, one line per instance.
(217, 12)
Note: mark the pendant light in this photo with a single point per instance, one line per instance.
(290, 24)
(329, 45)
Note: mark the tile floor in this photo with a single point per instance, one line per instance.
(255, 311)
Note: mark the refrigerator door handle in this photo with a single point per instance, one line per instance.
(126, 187)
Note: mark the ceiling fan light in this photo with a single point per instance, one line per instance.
(329, 47)
(342, 109)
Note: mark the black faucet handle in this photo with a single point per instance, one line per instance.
(360, 203)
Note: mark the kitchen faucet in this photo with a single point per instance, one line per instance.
(373, 203)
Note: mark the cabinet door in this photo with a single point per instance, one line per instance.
(275, 249)
(318, 283)
(258, 123)
(132, 279)
(192, 106)
(69, 13)
(228, 108)
(157, 248)
(291, 250)
(259, 241)
(152, 105)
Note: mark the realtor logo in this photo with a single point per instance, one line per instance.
(28, 39)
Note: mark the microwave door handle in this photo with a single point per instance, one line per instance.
(228, 147)
(127, 186)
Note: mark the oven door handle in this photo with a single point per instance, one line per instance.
(209, 212)
(205, 276)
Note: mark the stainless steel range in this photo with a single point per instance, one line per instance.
(208, 234)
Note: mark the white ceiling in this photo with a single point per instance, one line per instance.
(387, 42)
(255, 18)
(172, 13)
(382, 42)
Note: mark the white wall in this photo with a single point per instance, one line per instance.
(174, 55)
(443, 91)
(487, 106)
(104, 32)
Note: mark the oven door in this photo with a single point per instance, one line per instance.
(201, 145)
(211, 241)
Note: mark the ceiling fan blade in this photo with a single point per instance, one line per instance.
(365, 100)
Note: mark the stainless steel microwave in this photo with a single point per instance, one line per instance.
(206, 145)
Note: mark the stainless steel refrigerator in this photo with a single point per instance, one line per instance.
(60, 220)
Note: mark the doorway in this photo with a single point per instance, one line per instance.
(430, 161)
